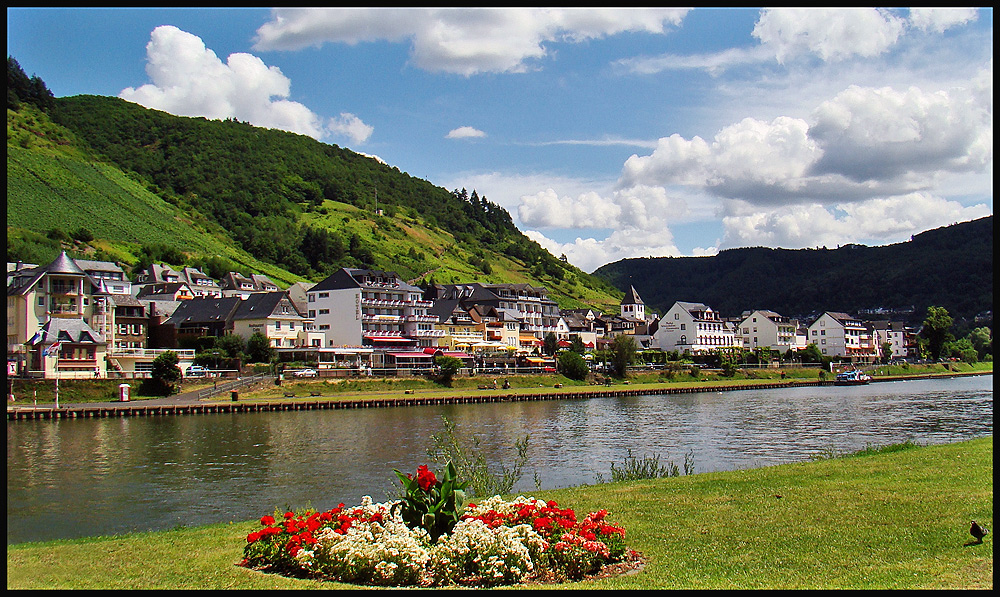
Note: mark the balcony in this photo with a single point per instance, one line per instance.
(369, 318)
(427, 333)
(422, 318)
(371, 302)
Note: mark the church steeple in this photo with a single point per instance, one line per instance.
(632, 305)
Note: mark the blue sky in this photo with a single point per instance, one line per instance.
(606, 133)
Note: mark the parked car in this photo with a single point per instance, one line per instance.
(196, 371)
(305, 373)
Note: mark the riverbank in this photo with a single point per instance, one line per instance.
(887, 519)
(318, 394)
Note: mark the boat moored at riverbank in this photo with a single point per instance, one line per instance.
(854, 377)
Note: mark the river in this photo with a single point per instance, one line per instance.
(73, 478)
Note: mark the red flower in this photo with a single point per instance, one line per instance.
(266, 520)
(542, 524)
(425, 478)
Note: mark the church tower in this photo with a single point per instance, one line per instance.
(632, 306)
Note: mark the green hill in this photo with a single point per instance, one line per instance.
(109, 179)
(56, 191)
(951, 267)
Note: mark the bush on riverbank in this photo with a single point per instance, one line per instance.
(889, 520)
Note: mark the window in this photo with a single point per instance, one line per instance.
(324, 295)
(324, 311)
(312, 313)
(312, 298)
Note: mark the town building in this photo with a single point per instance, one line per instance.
(363, 307)
(767, 329)
(899, 338)
(693, 328)
(530, 305)
(200, 283)
(841, 335)
(59, 321)
(270, 313)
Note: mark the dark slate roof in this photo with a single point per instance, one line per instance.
(345, 278)
(204, 310)
(73, 331)
(64, 265)
(263, 304)
(632, 297)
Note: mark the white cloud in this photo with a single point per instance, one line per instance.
(351, 126)
(939, 20)
(464, 132)
(460, 41)
(832, 34)
(885, 220)
(862, 144)
(883, 134)
(188, 79)
(589, 254)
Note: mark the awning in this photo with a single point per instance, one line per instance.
(534, 360)
(409, 355)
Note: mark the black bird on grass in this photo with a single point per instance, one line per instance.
(977, 532)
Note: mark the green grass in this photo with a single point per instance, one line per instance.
(885, 519)
(104, 390)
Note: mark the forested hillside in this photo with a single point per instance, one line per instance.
(951, 267)
(286, 201)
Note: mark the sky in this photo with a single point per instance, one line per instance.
(605, 133)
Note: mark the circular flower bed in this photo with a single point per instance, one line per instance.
(495, 542)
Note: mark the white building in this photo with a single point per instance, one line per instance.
(361, 307)
(694, 328)
(767, 329)
(898, 337)
(841, 335)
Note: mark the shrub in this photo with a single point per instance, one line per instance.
(573, 366)
(471, 462)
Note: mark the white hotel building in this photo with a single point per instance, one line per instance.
(361, 307)
(694, 328)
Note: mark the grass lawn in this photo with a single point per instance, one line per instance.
(887, 519)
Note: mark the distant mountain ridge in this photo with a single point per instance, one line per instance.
(951, 267)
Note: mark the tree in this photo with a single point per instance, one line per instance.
(165, 373)
(447, 368)
(811, 354)
(572, 365)
(259, 349)
(232, 345)
(886, 351)
(550, 344)
(937, 330)
(982, 341)
(623, 351)
(576, 345)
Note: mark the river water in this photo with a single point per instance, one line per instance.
(84, 477)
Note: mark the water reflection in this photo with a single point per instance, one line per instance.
(72, 478)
